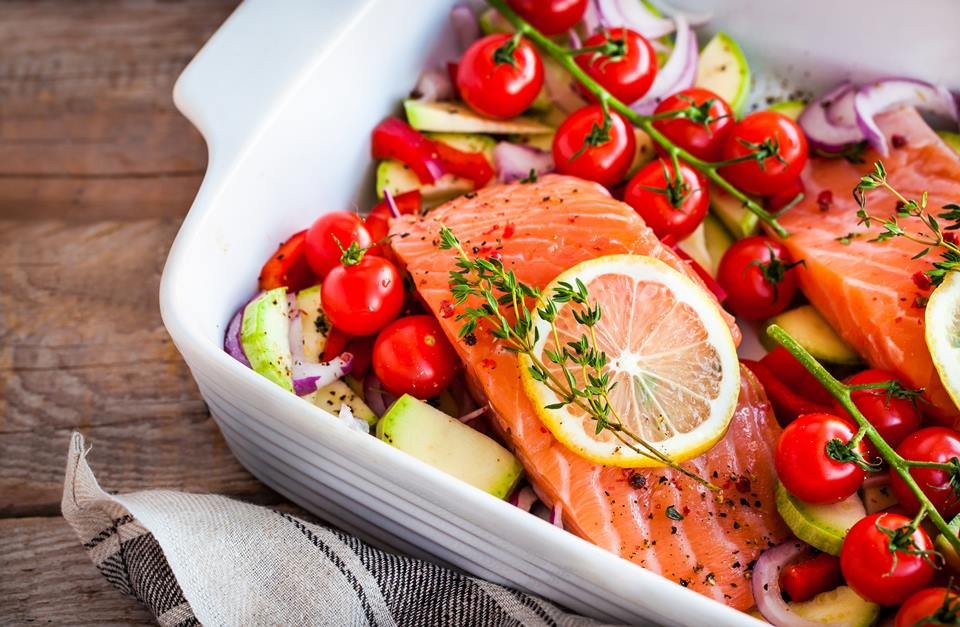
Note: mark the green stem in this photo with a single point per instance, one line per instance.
(644, 122)
(841, 392)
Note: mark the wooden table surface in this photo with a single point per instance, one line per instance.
(97, 169)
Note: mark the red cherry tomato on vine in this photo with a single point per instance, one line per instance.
(594, 148)
(933, 444)
(499, 78)
(804, 467)
(668, 203)
(413, 356)
(894, 417)
(870, 567)
(931, 606)
(702, 137)
(362, 298)
(322, 248)
(550, 17)
(757, 273)
(625, 66)
(779, 138)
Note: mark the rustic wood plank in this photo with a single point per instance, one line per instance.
(88, 130)
(47, 578)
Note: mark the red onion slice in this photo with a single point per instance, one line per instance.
(679, 72)
(345, 415)
(308, 377)
(476, 413)
(820, 131)
(515, 161)
(377, 398)
(434, 85)
(465, 25)
(695, 20)
(766, 584)
(883, 94)
(840, 111)
(634, 15)
(231, 339)
(524, 498)
(556, 517)
(591, 18)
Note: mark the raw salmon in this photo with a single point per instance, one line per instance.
(864, 289)
(539, 230)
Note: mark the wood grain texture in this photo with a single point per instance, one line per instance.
(47, 578)
(97, 169)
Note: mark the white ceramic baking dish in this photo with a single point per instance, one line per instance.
(285, 94)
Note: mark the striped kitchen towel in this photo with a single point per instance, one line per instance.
(206, 559)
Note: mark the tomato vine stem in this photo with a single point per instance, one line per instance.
(644, 122)
(841, 392)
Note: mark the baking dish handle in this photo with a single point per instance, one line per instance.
(252, 63)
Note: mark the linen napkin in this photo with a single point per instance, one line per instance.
(206, 559)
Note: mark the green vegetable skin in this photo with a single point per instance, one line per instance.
(723, 69)
(951, 139)
(313, 323)
(740, 221)
(821, 526)
(453, 117)
(811, 331)
(449, 445)
(790, 108)
(265, 337)
(842, 606)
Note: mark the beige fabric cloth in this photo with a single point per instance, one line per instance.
(204, 558)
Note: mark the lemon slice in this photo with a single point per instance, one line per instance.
(942, 320)
(670, 356)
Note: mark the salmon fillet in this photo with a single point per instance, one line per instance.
(864, 289)
(541, 229)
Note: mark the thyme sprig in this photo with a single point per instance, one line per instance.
(897, 463)
(645, 122)
(935, 236)
(499, 301)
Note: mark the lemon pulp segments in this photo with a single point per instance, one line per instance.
(670, 355)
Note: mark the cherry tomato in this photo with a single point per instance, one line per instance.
(870, 567)
(701, 136)
(498, 77)
(594, 148)
(933, 444)
(757, 274)
(550, 17)
(930, 606)
(363, 297)
(895, 418)
(783, 142)
(413, 356)
(625, 66)
(288, 266)
(326, 236)
(669, 203)
(804, 580)
(803, 465)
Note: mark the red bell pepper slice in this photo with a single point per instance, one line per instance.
(804, 580)
(469, 165)
(395, 139)
(337, 342)
(705, 276)
(288, 266)
(786, 368)
(378, 220)
(787, 404)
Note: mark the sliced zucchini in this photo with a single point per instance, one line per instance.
(808, 327)
(331, 397)
(540, 142)
(821, 526)
(314, 323)
(644, 153)
(790, 108)
(265, 337)
(878, 498)
(723, 69)
(491, 22)
(399, 178)
(740, 221)
(950, 139)
(468, 142)
(841, 606)
(454, 117)
(718, 240)
(946, 549)
(695, 245)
